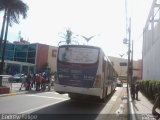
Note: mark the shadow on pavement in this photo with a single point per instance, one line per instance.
(73, 110)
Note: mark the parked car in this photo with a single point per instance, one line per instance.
(119, 83)
(17, 77)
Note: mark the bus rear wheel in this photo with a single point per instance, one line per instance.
(73, 97)
(103, 100)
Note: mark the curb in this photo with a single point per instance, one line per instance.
(9, 94)
(131, 107)
(12, 94)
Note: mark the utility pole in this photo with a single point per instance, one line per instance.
(132, 65)
(129, 53)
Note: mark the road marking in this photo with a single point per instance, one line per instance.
(55, 93)
(37, 108)
(48, 97)
(60, 94)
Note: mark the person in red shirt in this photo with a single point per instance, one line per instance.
(38, 82)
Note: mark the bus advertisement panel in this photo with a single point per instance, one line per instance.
(77, 66)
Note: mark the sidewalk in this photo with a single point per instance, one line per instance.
(14, 90)
(142, 108)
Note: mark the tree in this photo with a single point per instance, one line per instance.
(69, 38)
(12, 11)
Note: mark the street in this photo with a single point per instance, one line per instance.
(49, 103)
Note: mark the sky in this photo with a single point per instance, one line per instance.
(47, 21)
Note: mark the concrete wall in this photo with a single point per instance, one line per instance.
(42, 55)
(122, 70)
(52, 58)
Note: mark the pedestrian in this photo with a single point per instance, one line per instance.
(133, 91)
(43, 82)
(23, 82)
(55, 75)
(155, 106)
(33, 81)
(38, 82)
(28, 81)
(137, 90)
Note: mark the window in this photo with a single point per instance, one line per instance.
(9, 54)
(22, 48)
(10, 46)
(31, 54)
(32, 47)
(31, 60)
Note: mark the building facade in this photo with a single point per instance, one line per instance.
(25, 58)
(36, 57)
(151, 44)
(122, 70)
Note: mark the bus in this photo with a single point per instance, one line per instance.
(84, 71)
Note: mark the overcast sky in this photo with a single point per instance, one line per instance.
(104, 19)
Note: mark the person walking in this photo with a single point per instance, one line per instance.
(28, 81)
(133, 91)
(38, 82)
(23, 82)
(137, 90)
(33, 83)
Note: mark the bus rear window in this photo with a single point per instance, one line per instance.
(78, 55)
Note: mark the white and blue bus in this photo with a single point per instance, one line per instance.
(84, 71)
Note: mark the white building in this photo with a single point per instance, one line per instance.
(151, 44)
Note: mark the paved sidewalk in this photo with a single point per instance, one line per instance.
(142, 108)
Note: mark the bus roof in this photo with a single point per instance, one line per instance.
(88, 46)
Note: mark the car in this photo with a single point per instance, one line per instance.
(119, 83)
(18, 77)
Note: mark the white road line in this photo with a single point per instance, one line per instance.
(65, 94)
(37, 108)
(55, 93)
(48, 97)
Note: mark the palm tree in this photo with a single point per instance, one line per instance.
(69, 38)
(12, 11)
(3, 25)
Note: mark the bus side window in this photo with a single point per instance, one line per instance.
(108, 71)
(104, 65)
(110, 77)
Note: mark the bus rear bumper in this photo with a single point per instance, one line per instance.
(85, 91)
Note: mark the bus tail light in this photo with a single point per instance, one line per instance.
(97, 82)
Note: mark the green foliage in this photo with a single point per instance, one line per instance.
(150, 88)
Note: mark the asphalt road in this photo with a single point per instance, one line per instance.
(52, 104)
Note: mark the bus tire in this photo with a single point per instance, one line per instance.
(72, 96)
(103, 100)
